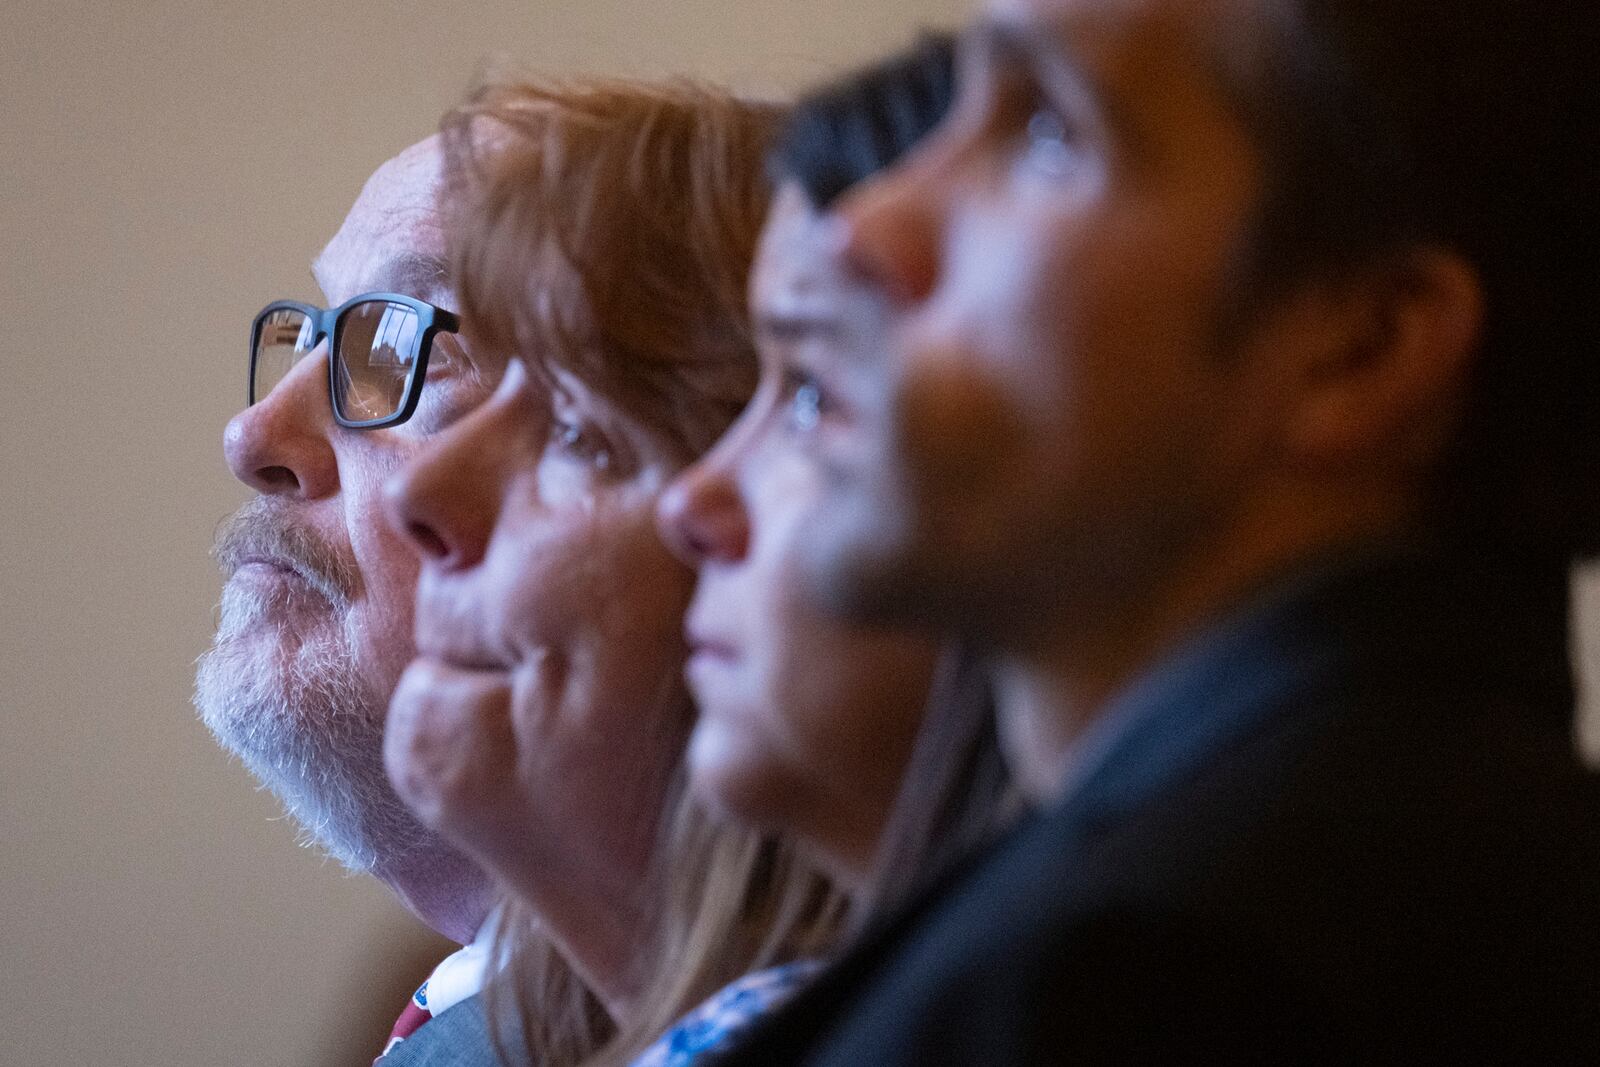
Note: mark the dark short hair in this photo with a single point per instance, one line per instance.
(1466, 125)
(952, 796)
(851, 129)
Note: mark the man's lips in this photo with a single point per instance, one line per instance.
(267, 563)
(272, 567)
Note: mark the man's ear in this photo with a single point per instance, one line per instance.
(1382, 384)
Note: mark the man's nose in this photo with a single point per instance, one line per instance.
(446, 501)
(281, 444)
(702, 517)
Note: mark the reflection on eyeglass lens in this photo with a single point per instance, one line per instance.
(375, 351)
(285, 336)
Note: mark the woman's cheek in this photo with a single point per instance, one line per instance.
(449, 748)
(608, 582)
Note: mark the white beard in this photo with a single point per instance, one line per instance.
(295, 706)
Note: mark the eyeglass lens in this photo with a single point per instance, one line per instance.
(375, 351)
(285, 336)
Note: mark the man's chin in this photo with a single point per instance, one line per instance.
(274, 621)
(304, 727)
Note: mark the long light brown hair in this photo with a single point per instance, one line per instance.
(606, 228)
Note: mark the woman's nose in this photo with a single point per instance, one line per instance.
(446, 501)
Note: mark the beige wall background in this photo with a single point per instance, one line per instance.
(166, 167)
(1586, 655)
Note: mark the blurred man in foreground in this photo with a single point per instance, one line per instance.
(1239, 405)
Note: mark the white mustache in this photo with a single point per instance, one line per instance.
(262, 530)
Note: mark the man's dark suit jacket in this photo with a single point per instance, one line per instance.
(1346, 824)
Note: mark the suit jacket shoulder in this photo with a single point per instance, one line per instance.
(1347, 824)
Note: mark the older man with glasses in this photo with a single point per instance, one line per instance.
(316, 613)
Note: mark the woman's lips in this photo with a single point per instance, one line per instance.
(447, 738)
(448, 673)
(464, 660)
(710, 647)
(711, 664)
(438, 703)
(449, 647)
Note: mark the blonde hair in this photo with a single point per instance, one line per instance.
(733, 900)
(606, 228)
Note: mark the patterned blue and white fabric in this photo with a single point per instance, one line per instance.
(729, 1012)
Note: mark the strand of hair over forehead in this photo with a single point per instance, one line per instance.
(650, 195)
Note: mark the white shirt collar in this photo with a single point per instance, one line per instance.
(462, 974)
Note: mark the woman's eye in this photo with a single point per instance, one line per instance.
(1052, 148)
(582, 442)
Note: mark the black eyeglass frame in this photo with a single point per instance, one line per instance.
(431, 320)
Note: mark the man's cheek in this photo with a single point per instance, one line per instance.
(957, 422)
(387, 568)
(446, 401)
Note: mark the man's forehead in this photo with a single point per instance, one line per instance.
(393, 237)
(1166, 77)
(1103, 31)
(1057, 12)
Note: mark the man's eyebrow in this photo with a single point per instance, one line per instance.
(417, 274)
(1037, 48)
(413, 274)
